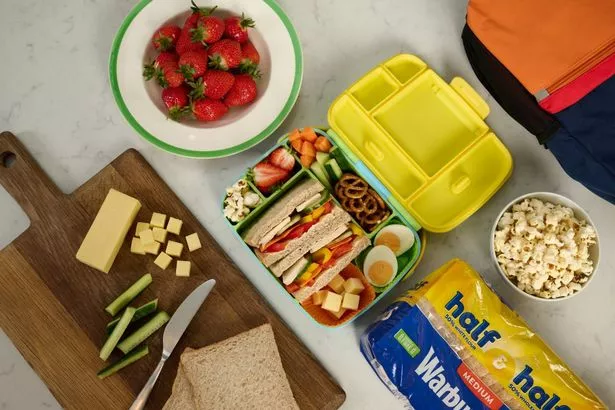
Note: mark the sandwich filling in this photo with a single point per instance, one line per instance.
(295, 226)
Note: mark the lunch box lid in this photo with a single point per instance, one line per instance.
(424, 139)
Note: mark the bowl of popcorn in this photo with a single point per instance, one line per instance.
(545, 246)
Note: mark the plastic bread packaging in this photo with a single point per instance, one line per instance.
(451, 343)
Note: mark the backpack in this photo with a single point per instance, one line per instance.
(550, 65)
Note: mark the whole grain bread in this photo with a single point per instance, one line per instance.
(282, 208)
(242, 372)
(300, 246)
(181, 397)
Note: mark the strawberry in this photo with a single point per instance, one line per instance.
(166, 37)
(209, 29)
(243, 91)
(193, 64)
(168, 75)
(207, 109)
(266, 176)
(176, 101)
(184, 42)
(149, 70)
(250, 58)
(225, 54)
(214, 84)
(237, 28)
(282, 158)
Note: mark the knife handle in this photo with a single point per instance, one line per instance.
(139, 403)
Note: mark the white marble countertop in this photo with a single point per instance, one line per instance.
(55, 96)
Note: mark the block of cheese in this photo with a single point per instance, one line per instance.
(332, 302)
(152, 248)
(182, 268)
(163, 261)
(158, 220)
(147, 237)
(108, 231)
(175, 248)
(141, 226)
(160, 235)
(337, 284)
(137, 247)
(318, 297)
(354, 286)
(193, 242)
(350, 301)
(175, 225)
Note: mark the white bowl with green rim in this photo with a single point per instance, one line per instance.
(140, 103)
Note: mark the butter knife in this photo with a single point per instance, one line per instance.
(172, 333)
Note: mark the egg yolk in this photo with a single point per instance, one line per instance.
(380, 272)
(389, 240)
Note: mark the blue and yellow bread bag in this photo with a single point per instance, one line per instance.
(451, 343)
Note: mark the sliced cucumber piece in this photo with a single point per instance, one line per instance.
(123, 362)
(325, 196)
(337, 154)
(143, 332)
(333, 169)
(129, 294)
(142, 311)
(117, 333)
(320, 173)
(322, 158)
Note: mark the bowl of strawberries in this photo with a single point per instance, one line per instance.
(206, 80)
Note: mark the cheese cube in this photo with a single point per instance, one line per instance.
(108, 231)
(175, 225)
(318, 297)
(163, 260)
(141, 226)
(339, 313)
(147, 237)
(137, 247)
(160, 235)
(337, 284)
(152, 248)
(350, 301)
(183, 268)
(175, 248)
(332, 302)
(354, 286)
(193, 242)
(158, 220)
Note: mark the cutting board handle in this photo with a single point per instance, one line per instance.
(24, 179)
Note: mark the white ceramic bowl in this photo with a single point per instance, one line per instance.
(140, 102)
(580, 213)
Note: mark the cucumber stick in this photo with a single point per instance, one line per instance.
(129, 294)
(141, 312)
(333, 169)
(123, 362)
(143, 332)
(322, 158)
(117, 333)
(320, 173)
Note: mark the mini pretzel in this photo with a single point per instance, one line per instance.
(377, 197)
(371, 206)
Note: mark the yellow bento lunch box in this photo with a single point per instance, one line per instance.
(422, 147)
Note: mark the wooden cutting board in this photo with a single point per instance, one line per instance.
(52, 306)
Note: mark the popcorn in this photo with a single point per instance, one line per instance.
(239, 201)
(544, 249)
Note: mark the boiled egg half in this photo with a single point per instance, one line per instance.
(380, 266)
(398, 238)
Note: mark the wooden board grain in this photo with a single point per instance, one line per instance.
(51, 306)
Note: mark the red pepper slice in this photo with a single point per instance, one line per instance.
(292, 288)
(341, 250)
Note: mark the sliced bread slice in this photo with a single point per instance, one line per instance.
(282, 208)
(328, 223)
(243, 372)
(181, 397)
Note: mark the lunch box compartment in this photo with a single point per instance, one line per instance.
(371, 93)
(405, 67)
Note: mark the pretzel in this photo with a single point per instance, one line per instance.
(356, 197)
